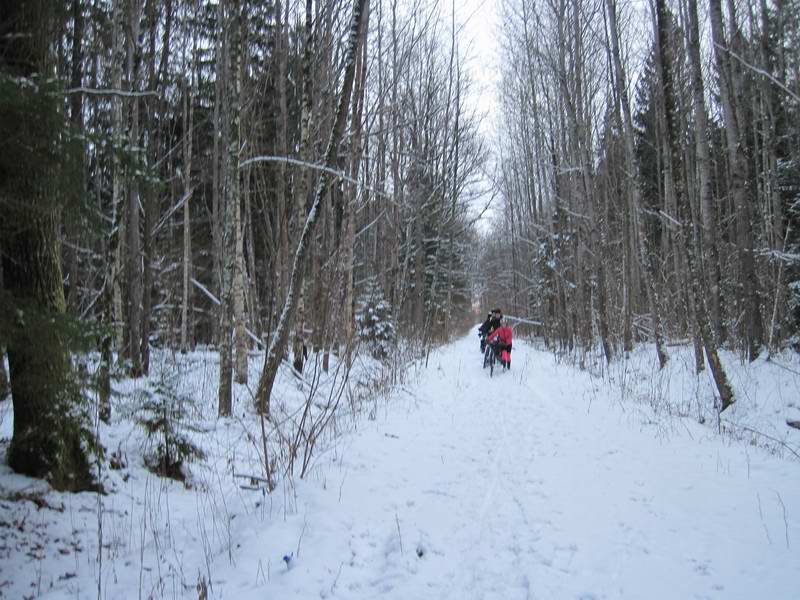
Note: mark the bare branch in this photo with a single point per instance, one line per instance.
(110, 92)
(759, 71)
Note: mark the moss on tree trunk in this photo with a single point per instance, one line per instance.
(50, 438)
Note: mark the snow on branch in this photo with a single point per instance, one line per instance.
(760, 71)
(206, 291)
(787, 257)
(216, 301)
(521, 320)
(172, 211)
(314, 166)
(367, 227)
(110, 92)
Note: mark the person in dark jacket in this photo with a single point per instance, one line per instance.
(491, 323)
(500, 341)
(482, 331)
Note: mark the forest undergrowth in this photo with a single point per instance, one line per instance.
(766, 390)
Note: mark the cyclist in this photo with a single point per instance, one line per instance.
(491, 323)
(500, 341)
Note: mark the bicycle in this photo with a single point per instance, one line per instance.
(494, 354)
(490, 358)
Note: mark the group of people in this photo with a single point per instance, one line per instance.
(497, 334)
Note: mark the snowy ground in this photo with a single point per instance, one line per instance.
(537, 483)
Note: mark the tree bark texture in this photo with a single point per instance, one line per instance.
(281, 335)
(738, 169)
(50, 435)
(633, 192)
(187, 335)
(687, 242)
(134, 249)
(230, 116)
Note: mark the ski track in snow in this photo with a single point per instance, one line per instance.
(533, 484)
(520, 486)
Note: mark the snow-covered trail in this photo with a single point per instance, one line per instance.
(533, 484)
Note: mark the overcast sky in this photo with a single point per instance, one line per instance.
(478, 18)
(477, 45)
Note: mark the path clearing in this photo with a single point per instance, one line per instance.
(534, 484)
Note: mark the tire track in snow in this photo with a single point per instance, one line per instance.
(496, 538)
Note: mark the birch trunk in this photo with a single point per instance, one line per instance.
(304, 183)
(633, 193)
(251, 280)
(710, 244)
(240, 334)
(217, 173)
(230, 116)
(351, 201)
(738, 169)
(281, 335)
(688, 242)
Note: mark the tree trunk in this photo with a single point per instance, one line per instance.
(241, 341)
(304, 181)
(217, 173)
(157, 66)
(251, 284)
(771, 35)
(351, 201)
(230, 116)
(711, 252)
(73, 226)
(150, 204)
(686, 241)
(738, 169)
(5, 389)
(284, 185)
(187, 335)
(109, 288)
(118, 175)
(51, 435)
(634, 197)
(281, 335)
(239, 334)
(4, 386)
(134, 258)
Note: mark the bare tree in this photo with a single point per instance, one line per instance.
(636, 232)
(280, 337)
(133, 261)
(688, 242)
(231, 54)
(189, 93)
(729, 88)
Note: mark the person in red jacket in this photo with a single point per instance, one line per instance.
(500, 340)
